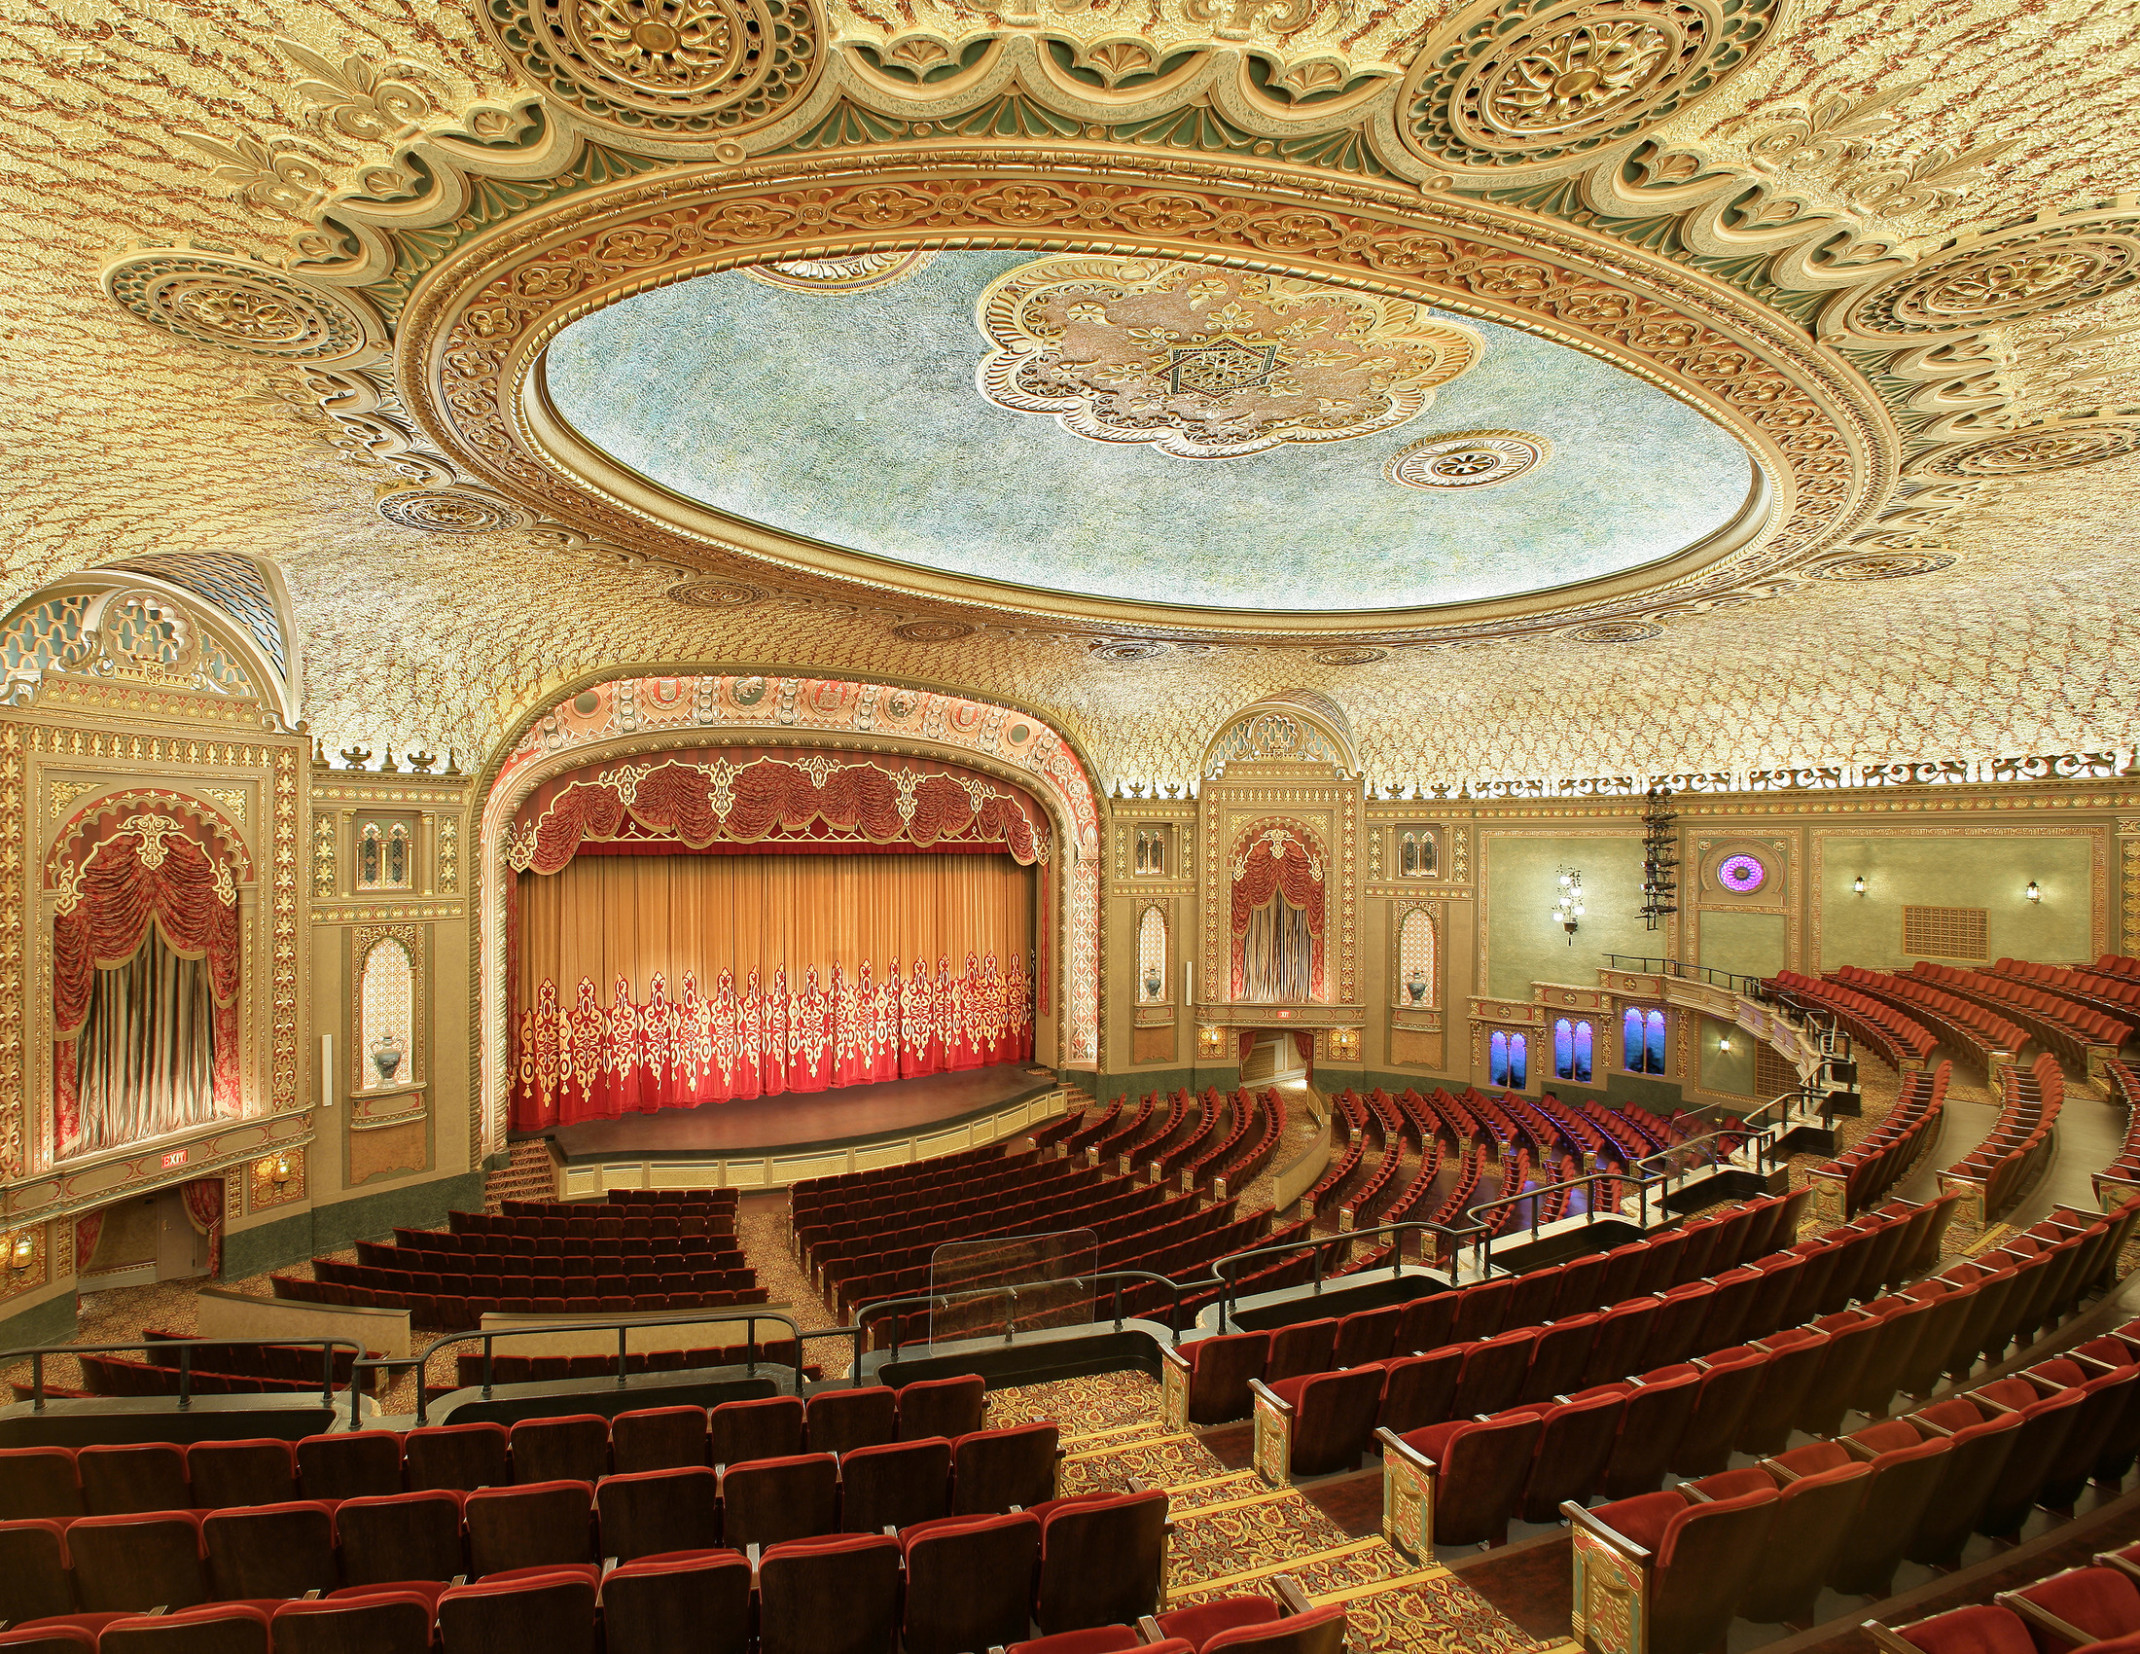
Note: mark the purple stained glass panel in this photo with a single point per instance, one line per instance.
(1742, 875)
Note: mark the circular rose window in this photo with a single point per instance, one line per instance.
(1742, 875)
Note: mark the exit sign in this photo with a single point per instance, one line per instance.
(177, 1157)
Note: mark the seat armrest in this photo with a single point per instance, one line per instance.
(1148, 1631)
(1998, 1407)
(1291, 1598)
(2111, 1559)
(1265, 1392)
(1392, 1443)
(1783, 1473)
(1883, 1639)
(1168, 1353)
(1587, 1520)
(1856, 1449)
(2042, 1619)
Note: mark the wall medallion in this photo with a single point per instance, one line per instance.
(1520, 82)
(1208, 363)
(853, 274)
(2048, 263)
(1617, 631)
(221, 299)
(1468, 459)
(933, 631)
(451, 511)
(1889, 565)
(2054, 445)
(671, 68)
(715, 594)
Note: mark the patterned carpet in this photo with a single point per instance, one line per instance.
(1232, 1533)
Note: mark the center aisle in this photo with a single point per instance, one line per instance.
(1232, 1533)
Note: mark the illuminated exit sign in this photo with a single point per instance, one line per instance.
(177, 1157)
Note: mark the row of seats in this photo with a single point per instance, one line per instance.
(597, 1221)
(1761, 1542)
(178, 1558)
(1896, 1035)
(942, 1587)
(1240, 1156)
(1315, 1424)
(113, 1375)
(2065, 1026)
(1867, 1170)
(460, 1311)
(949, 1185)
(2123, 1172)
(549, 1369)
(2019, 1141)
(2118, 995)
(2087, 1610)
(1966, 1025)
(63, 1483)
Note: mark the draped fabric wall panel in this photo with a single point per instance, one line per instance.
(1277, 920)
(649, 981)
(145, 1051)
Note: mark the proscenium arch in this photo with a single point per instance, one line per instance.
(1075, 952)
(469, 347)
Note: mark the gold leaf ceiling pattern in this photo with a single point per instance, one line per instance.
(123, 441)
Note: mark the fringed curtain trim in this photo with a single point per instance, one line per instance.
(1276, 863)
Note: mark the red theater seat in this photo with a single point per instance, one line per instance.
(699, 1601)
(969, 1582)
(835, 1595)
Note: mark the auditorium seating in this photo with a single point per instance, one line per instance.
(1963, 1024)
(2064, 1026)
(2019, 1142)
(1871, 1167)
(547, 1258)
(1896, 1035)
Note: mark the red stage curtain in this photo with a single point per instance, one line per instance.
(1278, 862)
(132, 882)
(204, 1209)
(647, 982)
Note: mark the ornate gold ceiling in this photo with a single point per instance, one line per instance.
(1883, 246)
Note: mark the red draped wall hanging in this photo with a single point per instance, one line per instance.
(694, 1032)
(1283, 861)
(149, 867)
(204, 1210)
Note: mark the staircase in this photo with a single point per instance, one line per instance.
(531, 1174)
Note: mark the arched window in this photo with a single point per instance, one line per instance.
(1415, 960)
(1151, 851)
(1152, 957)
(1583, 1044)
(1519, 1066)
(1563, 1050)
(386, 1014)
(1497, 1060)
(1642, 1041)
(385, 856)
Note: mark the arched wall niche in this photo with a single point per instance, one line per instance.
(633, 711)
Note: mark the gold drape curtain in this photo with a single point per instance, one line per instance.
(652, 981)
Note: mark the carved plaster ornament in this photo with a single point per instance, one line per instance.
(841, 275)
(1468, 459)
(1208, 363)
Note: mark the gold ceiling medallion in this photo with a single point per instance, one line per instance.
(1468, 459)
(241, 305)
(719, 595)
(1358, 654)
(933, 631)
(665, 68)
(2048, 263)
(2053, 445)
(1894, 565)
(1124, 650)
(841, 275)
(1206, 363)
(1617, 631)
(451, 511)
(1533, 84)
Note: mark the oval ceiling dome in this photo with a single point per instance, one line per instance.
(1143, 431)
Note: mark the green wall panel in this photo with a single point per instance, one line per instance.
(1732, 1070)
(1524, 945)
(1746, 944)
(1954, 871)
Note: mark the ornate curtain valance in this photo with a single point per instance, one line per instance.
(146, 868)
(1285, 861)
(696, 799)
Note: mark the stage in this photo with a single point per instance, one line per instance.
(769, 1142)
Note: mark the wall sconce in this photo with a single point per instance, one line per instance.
(280, 1173)
(1723, 1044)
(22, 1250)
(1211, 1039)
(1857, 885)
(1568, 910)
(1345, 1044)
(2032, 893)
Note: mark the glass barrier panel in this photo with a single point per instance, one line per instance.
(1053, 1274)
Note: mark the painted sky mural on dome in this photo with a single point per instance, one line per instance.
(1187, 468)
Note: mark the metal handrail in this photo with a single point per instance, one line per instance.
(488, 1336)
(1344, 1237)
(884, 1306)
(1649, 965)
(36, 1354)
(1590, 1212)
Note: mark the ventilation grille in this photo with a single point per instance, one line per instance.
(1946, 932)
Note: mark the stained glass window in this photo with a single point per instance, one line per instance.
(1497, 1060)
(1519, 1068)
(1583, 1043)
(1642, 1042)
(1653, 1041)
(1563, 1050)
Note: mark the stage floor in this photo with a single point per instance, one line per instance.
(796, 1122)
